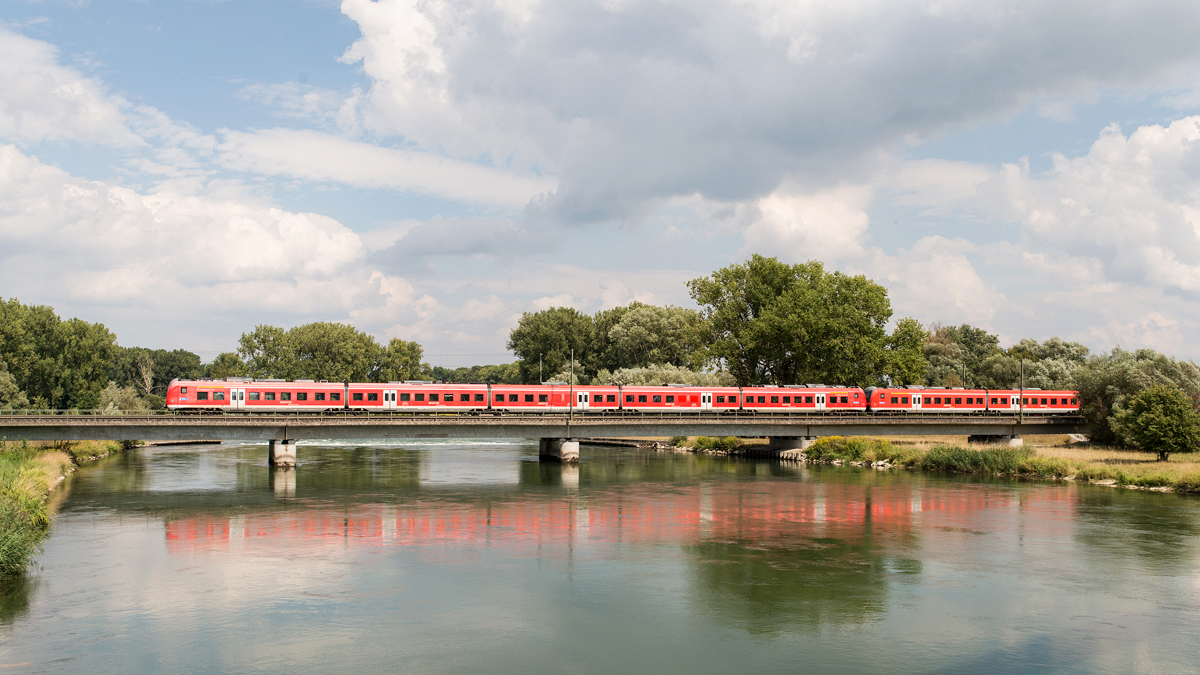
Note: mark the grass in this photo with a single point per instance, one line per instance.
(1077, 461)
(28, 471)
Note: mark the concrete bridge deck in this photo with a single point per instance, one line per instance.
(266, 427)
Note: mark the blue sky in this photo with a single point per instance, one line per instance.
(430, 170)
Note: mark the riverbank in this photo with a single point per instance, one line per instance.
(28, 475)
(1103, 466)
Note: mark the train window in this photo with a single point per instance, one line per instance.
(670, 399)
(202, 396)
(895, 399)
(629, 398)
(418, 397)
(733, 399)
(335, 396)
(372, 397)
(762, 399)
(319, 396)
(720, 399)
(302, 396)
(405, 397)
(253, 395)
(904, 399)
(499, 398)
(270, 396)
(1074, 402)
(808, 399)
(357, 396)
(448, 398)
(611, 398)
(856, 396)
(541, 398)
(285, 396)
(774, 399)
(937, 399)
(1043, 401)
(845, 399)
(787, 399)
(183, 390)
(957, 401)
(641, 398)
(479, 398)
(658, 398)
(512, 398)
(462, 398)
(1053, 401)
(529, 398)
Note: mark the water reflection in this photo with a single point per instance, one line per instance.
(629, 560)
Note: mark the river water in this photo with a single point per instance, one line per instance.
(472, 557)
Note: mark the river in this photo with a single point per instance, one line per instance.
(472, 557)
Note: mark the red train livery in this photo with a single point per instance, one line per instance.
(244, 394)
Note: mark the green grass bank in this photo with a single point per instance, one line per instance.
(1117, 467)
(28, 474)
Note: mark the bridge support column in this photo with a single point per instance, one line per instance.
(283, 481)
(1014, 441)
(562, 450)
(281, 453)
(790, 442)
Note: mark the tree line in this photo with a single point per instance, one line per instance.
(758, 322)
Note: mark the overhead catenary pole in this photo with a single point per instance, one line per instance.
(1021, 416)
(571, 405)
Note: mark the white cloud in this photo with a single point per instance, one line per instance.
(634, 102)
(41, 100)
(315, 156)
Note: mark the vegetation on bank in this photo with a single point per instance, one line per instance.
(1122, 467)
(28, 472)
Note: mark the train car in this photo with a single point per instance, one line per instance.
(1035, 401)
(417, 397)
(678, 398)
(953, 400)
(803, 399)
(530, 397)
(244, 394)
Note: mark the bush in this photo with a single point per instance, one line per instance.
(715, 443)
(677, 441)
(852, 449)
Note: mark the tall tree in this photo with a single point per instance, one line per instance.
(644, 335)
(1161, 419)
(331, 351)
(399, 361)
(549, 336)
(265, 353)
(58, 364)
(1108, 381)
(770, 322)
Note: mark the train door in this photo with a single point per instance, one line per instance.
(237, 399)
(582, 399)
(389, 399)
(916, 402)
(820, 402)
(705, 401)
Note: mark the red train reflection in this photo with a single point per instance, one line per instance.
(756, 511)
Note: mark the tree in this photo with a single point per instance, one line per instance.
(400, 361)
(660, 374)
(11, 396)
(145, 372)
(331, 351)
(643, 335)
(115, 400)
(227, 364)
(550, 336)
(906, 363)
(769, 322)
(58, 364)
(1161, 419)
(1107, 382)
(265, 353)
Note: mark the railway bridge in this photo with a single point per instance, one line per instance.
(559, 434)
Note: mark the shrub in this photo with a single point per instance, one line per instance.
(1161, 419)
(678, 441)
(716, 443)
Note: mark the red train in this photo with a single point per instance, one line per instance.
(244, 394)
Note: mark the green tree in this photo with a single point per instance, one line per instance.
(550, 335)
(265, 353)
(769, 322)
(1161, 419)
(643, 335)
(331, 351)
(1107, 382)
(115, 400)
(905, 362)
(399, 361)
(58, 364)
(11, 396)
(226, 364)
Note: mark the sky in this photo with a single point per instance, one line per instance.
(183, 170)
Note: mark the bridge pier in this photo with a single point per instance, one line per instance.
(283, 481)
(790, 442)
(281, 453)
(563, 450)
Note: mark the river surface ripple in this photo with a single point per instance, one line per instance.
(472, 557)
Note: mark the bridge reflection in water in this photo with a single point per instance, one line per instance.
(767, 554)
